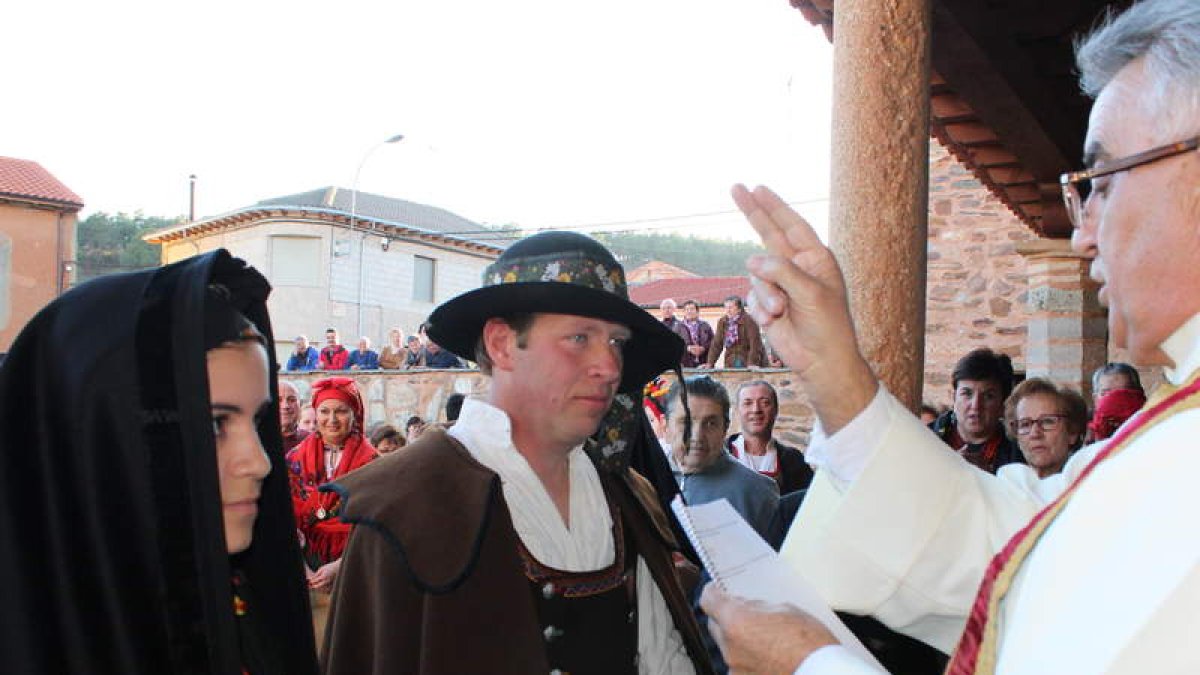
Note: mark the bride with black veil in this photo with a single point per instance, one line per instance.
(145, 523)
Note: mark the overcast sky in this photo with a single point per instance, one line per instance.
(543, 113)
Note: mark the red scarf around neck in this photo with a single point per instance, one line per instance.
(316, 512)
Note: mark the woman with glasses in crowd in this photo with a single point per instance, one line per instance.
(1047, 421)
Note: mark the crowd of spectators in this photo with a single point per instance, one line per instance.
(400, 353)
(996, 418)
(996, 421)
(993, 420)
(737, 341)
(299, 417)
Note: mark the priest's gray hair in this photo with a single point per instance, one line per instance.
(1166, 33)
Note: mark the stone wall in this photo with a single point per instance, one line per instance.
(394, 396)
(977, 292)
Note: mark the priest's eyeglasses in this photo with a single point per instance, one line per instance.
(1077, 185)
(1048, 423)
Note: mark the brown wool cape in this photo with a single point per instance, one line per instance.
(432, 576)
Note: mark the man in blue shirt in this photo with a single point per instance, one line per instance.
(304, 357)
(436, 357)
(363, 358)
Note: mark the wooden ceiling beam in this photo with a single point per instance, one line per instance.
(970, 133)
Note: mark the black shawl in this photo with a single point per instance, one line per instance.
(112, 546)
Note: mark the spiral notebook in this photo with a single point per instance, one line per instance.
(745, 565)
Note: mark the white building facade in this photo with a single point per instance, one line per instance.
(387, 265)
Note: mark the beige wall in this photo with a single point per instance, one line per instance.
(34, 244)
(332, 300)
(393, 397)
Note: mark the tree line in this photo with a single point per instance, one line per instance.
(108, 243)
(705, 257)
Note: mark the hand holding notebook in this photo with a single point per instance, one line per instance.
(744, 565)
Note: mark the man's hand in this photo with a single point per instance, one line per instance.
(757, 638)
(798, 296)
(322, 580)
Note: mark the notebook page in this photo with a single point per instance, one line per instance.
(745, 565)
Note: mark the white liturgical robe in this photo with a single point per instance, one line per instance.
(898, 527)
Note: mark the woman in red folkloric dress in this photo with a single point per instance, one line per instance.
(337, 448)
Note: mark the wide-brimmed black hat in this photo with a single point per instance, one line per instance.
(559, 273)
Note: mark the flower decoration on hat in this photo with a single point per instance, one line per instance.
(559, 273)
(654, 394)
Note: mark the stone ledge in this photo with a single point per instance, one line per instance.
(1047, 248)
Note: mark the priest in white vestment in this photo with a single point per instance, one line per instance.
(1107, 578)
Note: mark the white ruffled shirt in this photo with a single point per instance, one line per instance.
(584, 546)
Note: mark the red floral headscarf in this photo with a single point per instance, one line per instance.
(342, 389)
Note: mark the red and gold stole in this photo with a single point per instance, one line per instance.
(978, 647)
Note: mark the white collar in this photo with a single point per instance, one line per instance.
(1183, 348)
(766, 462)
(739, 442)
(482, 426)
(486, 431)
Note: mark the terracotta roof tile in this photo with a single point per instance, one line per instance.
(24, 179)
(706, 291)
(656, 270)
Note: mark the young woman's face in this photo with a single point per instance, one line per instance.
(238, 385)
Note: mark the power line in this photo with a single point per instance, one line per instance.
(517, 232)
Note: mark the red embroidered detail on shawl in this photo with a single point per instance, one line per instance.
(324, 534)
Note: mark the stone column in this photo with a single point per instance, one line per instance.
(1068, 331)
(880, 178)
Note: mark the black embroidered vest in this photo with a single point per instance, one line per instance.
(588, 619)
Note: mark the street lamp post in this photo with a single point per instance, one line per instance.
(363, 237)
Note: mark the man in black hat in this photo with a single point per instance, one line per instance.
(520, 541)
